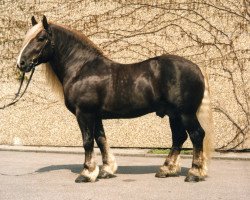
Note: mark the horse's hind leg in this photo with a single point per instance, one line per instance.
(171, 167)
(197, 134)
(109, 164)
(90, 169)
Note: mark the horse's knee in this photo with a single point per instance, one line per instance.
(100, 140)
(102, 144)
(88, 145)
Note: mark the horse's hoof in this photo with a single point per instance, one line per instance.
(168, 171)
(103, 174)
(193, 178)
(81, 179)
(160, 175)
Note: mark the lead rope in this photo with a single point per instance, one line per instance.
(20, 87)
(17, 97)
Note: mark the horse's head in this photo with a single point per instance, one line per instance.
(37, 47)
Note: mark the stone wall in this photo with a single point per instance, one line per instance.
(214, 35)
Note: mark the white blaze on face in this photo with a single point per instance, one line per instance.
(32, 33)
(20, 54)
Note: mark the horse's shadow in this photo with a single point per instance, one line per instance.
(76, 168)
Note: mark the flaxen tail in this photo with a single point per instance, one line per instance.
(204, 115)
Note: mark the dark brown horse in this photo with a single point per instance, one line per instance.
(96, 88)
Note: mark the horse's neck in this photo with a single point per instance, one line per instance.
(70, 53)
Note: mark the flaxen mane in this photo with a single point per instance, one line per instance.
(52, 80)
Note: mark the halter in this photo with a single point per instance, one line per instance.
(34, 63)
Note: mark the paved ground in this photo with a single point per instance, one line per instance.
(29, 175)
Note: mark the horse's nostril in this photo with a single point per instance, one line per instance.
(22, 63)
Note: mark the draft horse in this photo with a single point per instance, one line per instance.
(96, 88)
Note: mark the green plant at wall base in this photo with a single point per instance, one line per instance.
(167, 151)
(187, 152)
(159, 151)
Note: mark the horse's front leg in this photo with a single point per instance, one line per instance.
(109, 164)
(90, 169)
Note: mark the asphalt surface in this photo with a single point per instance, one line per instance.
(29, 175)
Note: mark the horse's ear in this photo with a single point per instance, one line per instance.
(33, 21)
(45, 23)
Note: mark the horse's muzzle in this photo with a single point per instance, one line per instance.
(25, 67)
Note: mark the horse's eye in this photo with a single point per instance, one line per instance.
(41, 39)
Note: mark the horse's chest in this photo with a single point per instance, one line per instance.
(87, 93)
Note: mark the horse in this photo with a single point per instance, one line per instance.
(96, 88)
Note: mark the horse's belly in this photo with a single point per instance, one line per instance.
(125, 114)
